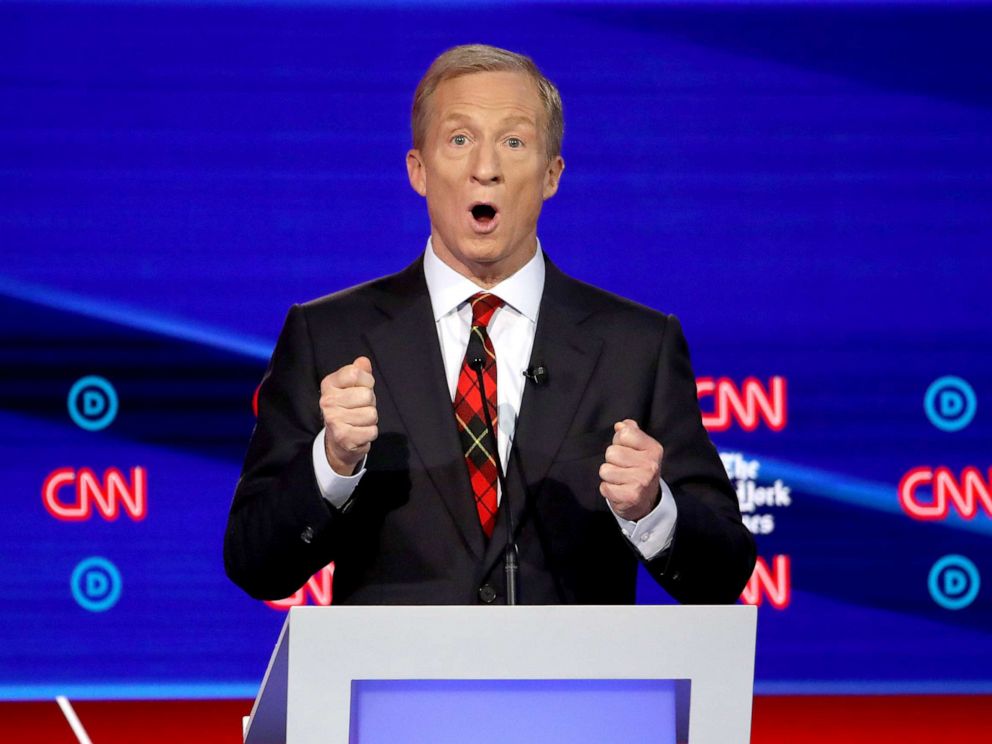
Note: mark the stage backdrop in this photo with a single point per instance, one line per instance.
(806, 185)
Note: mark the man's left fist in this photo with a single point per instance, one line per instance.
(630, 479)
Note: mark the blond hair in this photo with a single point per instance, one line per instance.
(472, 58)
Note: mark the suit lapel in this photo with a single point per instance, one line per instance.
(407, 361)
(546, 411)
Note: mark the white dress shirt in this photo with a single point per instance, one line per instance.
(512, 331)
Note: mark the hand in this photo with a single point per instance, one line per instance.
(630, 479)
(347, 403)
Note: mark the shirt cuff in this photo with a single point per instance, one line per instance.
(337, 489)
(652, 534)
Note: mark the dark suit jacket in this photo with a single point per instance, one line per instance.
(411, 534)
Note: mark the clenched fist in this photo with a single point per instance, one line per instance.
(631, 476)
(347, 403)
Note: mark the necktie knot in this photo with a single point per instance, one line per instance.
(483, 307)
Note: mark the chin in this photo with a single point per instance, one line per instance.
(483, 251)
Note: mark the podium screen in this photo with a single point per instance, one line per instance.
(550, 711)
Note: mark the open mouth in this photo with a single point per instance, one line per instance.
(483, 214)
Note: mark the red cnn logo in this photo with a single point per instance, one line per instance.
(774, 583)
(965, 493)
(108, 496)
(748, 405)
(319, 587)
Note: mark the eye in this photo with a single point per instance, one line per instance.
(459, 140)
(514, 143)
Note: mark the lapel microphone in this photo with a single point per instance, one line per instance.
(537, 374)
(510, 558)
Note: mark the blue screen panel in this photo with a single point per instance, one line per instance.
(805, 184)
(493, 711)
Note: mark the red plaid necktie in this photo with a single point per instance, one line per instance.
(480, 451)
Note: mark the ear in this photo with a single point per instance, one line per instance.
(416, 172)
(552, 176)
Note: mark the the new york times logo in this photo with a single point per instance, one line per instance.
(755, 500)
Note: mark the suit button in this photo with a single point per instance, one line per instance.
(307, 535)
(487, 594)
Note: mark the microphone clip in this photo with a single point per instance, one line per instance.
(538, 374)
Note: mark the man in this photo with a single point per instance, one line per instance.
(372, 449)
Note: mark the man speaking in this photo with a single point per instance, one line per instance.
(374, 446)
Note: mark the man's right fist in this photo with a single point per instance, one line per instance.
(347, 403)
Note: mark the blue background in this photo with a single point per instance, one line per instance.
(807, 185)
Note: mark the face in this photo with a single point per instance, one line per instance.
(485, 173)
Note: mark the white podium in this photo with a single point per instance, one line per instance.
(334, 668)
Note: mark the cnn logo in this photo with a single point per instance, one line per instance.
(927, 493)
(72, 496)
(319, 588)
(748, 405)
(773, 583)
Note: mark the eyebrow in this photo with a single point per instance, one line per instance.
(509, 120)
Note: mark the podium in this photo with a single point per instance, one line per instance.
(338, 675)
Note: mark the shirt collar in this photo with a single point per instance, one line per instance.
(448, 289)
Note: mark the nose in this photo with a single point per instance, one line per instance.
(486, 167)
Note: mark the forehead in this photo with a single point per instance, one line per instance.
(491, 95)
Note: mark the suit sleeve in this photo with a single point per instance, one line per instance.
(280, 528)
(712, 553)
